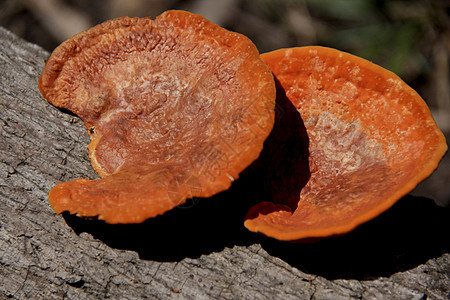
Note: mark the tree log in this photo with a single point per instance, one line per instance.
(197, 251)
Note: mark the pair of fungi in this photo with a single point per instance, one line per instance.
(177, 107)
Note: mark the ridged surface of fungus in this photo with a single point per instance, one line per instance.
(372, 139)
(176, 108)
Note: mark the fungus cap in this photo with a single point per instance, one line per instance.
(372, 139)
(176, 108)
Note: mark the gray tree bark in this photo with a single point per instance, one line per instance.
(197, 251)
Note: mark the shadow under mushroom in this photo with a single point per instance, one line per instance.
(413, 231)
(208, 225)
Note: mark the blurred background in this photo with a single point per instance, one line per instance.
(410, 38)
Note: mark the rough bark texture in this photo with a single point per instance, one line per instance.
(198, 251)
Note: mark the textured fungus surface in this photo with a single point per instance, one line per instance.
(372, 139)
(176, 108)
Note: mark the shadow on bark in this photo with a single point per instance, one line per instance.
(409, 234)
(201, 226)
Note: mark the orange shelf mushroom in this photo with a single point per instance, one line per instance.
(176, 108)
(372, 139)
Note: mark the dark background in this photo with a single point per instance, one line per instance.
(410, 38)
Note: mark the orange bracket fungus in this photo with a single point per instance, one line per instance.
(372, 139)
(176, 108)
